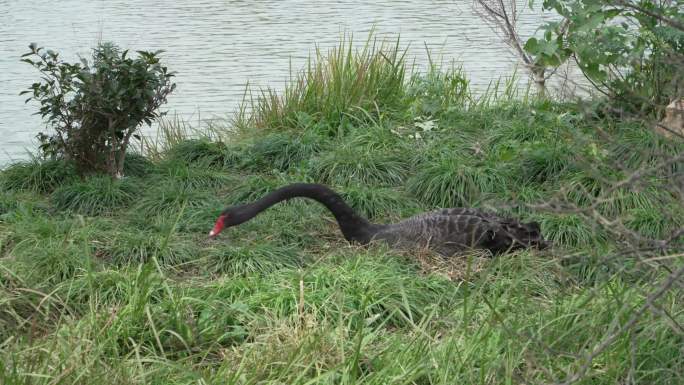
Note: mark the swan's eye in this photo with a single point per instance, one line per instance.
(219, 225)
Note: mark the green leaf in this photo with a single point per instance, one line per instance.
(531, 45)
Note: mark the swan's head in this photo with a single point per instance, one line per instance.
(229, 217)
(218, 226)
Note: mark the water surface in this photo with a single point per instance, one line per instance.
(217, 46)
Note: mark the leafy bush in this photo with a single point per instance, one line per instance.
(50, 261)
(132, 248)
(254, 187)
(571, 230)
(168, 199)
(651, 223)
(95, 108)
(637, 146)
(630, 50)
(376, 286)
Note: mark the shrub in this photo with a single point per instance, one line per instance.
(255, 187)
(638, 146)
(571, 230)
(630, 50)
(133, 248)
(583, 187)
(50, 261)
(95, 108)
(650, 223)
(376, 286)
(438, 91)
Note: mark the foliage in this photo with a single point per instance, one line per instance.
(95, 108)
(126, 248)
(168, 200)
(571, 230)
(137, 165)
(629, 49)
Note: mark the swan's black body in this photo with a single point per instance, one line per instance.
(446, 231)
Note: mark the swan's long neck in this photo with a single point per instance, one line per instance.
(353, 226)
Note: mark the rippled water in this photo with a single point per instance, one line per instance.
(218, 46)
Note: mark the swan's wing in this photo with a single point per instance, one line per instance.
(452, 230)
(484, 214)
(507, 232)
(442, 232)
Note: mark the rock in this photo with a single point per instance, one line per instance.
(673, 121)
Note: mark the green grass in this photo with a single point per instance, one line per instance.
(335, 91)
(194, 176)
(36, 175)
(452, 180)
(96, 195)
(250, 259)
(380, 202)
(116, 282)
(201, 151)
(349, 163)
(137, 165)
(543, 162)
(280, 151)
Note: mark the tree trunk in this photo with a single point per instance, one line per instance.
(112, 166)
(539, 78)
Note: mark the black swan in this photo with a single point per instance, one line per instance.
(445, 231)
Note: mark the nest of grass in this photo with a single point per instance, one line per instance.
(458, 267)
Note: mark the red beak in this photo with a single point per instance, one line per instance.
(218, 226)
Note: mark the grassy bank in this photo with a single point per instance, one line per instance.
(116, 282)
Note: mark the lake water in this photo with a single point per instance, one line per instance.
(217, 46)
